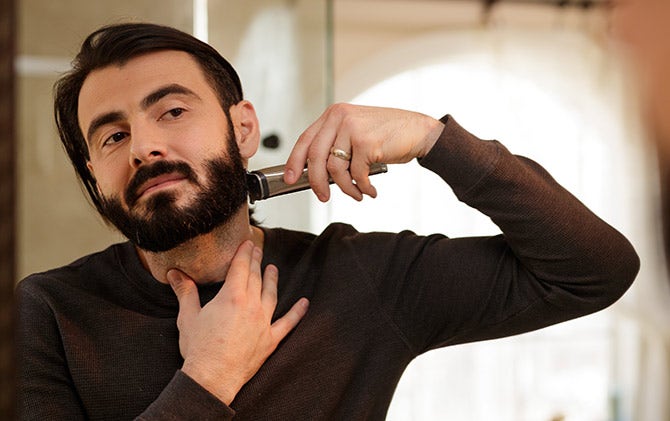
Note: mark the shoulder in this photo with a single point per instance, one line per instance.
(75, 274)
(334, 232)
(340, 239)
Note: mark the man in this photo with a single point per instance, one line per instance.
(157, 129)
(642, 25)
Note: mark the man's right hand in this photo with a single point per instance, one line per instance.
(225, 342)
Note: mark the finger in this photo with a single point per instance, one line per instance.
(255, 282)
(322, 164)
(284, 325)
(338, 169)
(269, 293)
(237, 278)
(360, 172)
(187, 295)
(298, 156)
(319, 154)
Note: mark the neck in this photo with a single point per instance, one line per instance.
(205, 258)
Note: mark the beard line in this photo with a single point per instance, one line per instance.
(165, 225)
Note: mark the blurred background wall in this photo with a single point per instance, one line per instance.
(540, 76)
(278, 47)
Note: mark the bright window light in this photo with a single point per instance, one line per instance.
(563, 371)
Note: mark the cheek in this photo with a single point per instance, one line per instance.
(111, 180)
(200, 144)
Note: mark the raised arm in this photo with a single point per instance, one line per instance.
(368, 135)
(556, 260)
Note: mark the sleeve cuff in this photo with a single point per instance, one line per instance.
(184, 399)
(460, 158)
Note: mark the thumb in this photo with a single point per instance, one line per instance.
(187, 295)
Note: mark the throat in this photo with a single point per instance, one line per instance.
(205, 258)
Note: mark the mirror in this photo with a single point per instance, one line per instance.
(277, 46)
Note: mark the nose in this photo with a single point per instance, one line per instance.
(146, 147)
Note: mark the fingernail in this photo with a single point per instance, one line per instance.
(304, 303)
(258, 253)
(173, 276)
(272, 269)
(289, 175)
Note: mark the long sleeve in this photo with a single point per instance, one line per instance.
(552, 232)
(45, 386)
(555, 260)
(98, 338)
(178, 400)
(82, 357)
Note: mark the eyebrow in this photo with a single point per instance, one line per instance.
(147, 101)
(101, 121)
(158, 94)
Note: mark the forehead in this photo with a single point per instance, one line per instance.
(116, 87)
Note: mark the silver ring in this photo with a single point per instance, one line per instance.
(339, 153)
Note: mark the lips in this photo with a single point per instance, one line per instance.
(156, 176)
(159, 182)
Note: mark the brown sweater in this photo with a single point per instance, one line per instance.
(97, 339)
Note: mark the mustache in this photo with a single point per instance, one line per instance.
(146, 173)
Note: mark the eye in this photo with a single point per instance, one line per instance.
(173, 114)
(115, 138)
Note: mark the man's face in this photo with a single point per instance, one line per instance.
(160, 151)
(644, 28)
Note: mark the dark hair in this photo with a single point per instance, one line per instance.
(116, 44)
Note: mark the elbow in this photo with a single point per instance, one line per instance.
(625, 267)
(603, 279)
(631, 267)
(616, 274)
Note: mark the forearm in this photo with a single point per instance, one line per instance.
(552, 234)
(60, 374)
(185, 399)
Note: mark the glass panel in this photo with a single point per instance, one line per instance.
(279, 50)
(278, 47)
(511, 81)
(55, 223)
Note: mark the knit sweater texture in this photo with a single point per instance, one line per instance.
(97, 339)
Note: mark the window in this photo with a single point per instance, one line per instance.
(508, 88)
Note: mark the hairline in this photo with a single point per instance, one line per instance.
(209, 79)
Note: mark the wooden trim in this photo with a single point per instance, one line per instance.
(7, 204)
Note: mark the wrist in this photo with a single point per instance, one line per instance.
(435, 129)
(215, 385)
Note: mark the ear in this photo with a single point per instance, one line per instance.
(90, 168)
(247, 130)
(92, 172)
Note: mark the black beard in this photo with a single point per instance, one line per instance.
(162, 225)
